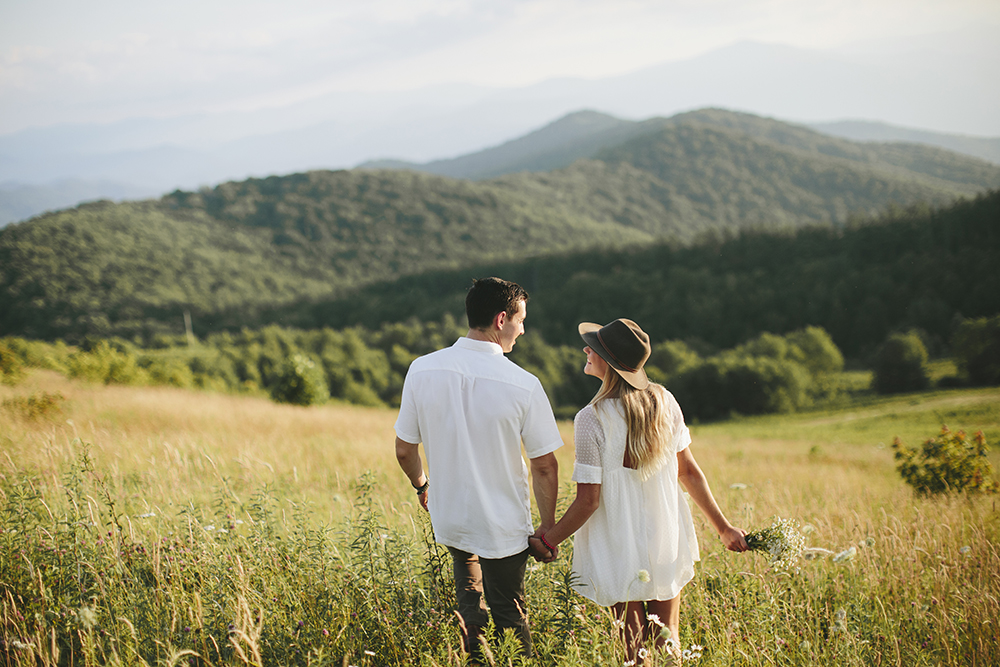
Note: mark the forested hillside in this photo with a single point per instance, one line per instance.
(920, 268)
(244, 254)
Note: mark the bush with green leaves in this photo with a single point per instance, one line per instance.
(949, 462)
(11, 366)
(302, 382)
(976, 346)
(900, 364)
(107, 361)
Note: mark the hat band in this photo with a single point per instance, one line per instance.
(625, 367)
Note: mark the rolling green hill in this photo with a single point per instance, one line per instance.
(246, 252)
(920, 268)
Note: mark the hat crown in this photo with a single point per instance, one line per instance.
(626, 342)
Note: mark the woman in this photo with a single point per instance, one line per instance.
(636, 545)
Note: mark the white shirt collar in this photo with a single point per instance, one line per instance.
(478, 345)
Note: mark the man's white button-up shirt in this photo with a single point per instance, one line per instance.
(472, 408)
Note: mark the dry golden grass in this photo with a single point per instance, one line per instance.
(923, 587)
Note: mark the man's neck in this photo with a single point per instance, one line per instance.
(485, 335)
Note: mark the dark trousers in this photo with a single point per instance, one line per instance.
(497, 582)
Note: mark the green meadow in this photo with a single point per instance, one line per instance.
(165, 526)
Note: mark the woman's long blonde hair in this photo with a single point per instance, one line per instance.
(650, 428)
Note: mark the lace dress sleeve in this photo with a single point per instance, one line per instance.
(682, 436)
(588, 439)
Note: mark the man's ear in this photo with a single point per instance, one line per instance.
(500, 319)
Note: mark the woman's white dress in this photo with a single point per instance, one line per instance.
(640, 544)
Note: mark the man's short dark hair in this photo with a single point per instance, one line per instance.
(489, 296)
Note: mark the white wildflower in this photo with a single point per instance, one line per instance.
(643, 653)
(815, 553)
(87, 616)
(643, 576)
(147, 515)
(367, 652)
(618, 623)
(846, 555)
(840, 620)
(22, 646)
(965, 550)
(738, 486)
(210, 527)
(655, 619)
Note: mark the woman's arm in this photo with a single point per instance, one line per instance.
(588, 498)
(694, 482)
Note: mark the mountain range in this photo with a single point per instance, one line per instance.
(931, 88)
(232, 253)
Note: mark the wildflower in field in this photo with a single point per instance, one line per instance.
(692, 653)
(210, 527)
(655, 619)
(371, 653)
(782, 541)
(147, 515)
(22, 646)
(87, 616)
(867, 542)
(814, 553)
(965, 550)
(738, 486)
(643, 576)
(840, 620)
(643, 653)
(846, 555)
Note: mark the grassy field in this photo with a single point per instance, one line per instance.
(162, 526)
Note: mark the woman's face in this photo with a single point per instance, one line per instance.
(596, 366)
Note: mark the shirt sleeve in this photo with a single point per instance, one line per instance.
(588, 438)
(540, 434)
(407, 425)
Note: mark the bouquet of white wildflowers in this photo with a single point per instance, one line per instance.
(782, 541)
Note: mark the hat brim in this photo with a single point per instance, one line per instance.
(588, 331)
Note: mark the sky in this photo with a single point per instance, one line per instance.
(66, 61)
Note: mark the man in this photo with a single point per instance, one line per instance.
(472, 408)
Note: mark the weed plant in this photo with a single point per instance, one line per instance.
(174, 527)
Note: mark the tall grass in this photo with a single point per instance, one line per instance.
(165, 527)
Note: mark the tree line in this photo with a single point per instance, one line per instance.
(768, 373)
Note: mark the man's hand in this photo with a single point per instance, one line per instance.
(423, 499)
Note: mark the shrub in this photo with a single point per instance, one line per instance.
(946, 463)
(35, 406)
(107, 363)
(669, 358)
(976, 346)
(11, 366)
(744, 385)
(301, 382)
(901, 364)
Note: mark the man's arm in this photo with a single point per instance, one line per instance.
(408, 456)
(545, 483)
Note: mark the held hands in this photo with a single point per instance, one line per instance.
(539, 551)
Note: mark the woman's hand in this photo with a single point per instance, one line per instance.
(734, 538)
(540, 552)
